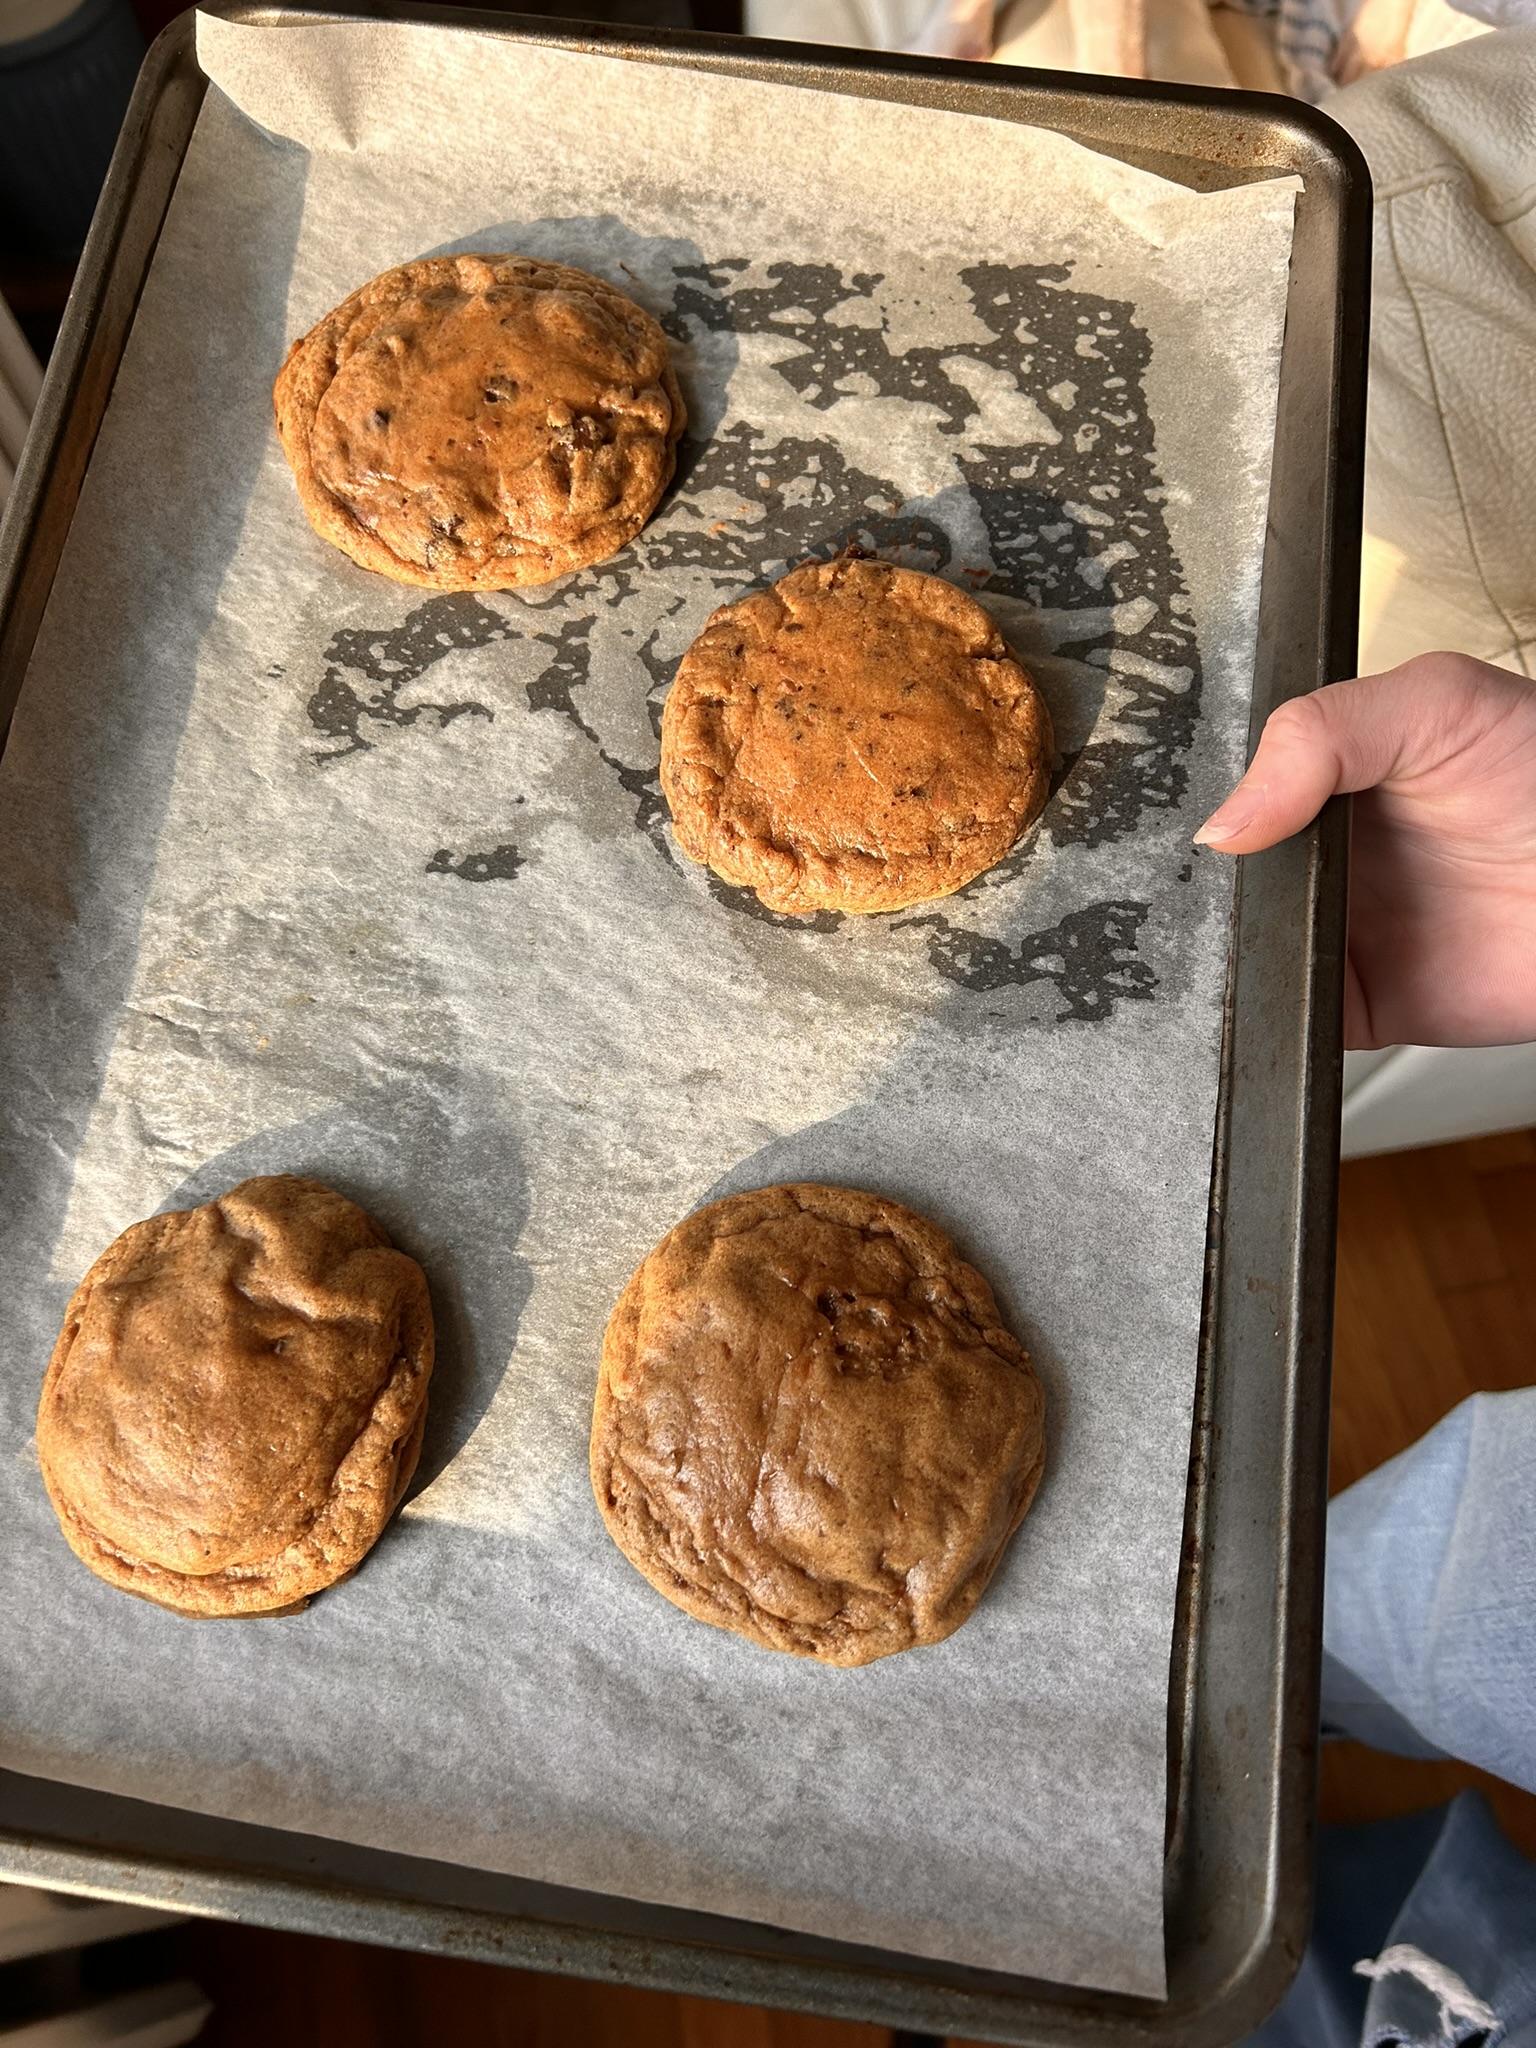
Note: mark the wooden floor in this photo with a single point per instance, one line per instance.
(1436, 1300)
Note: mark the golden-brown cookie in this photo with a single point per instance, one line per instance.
(857, 737)
(810, 1425)
(236, 1401)
(480, 422)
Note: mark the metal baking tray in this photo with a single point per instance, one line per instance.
(1243, 1699)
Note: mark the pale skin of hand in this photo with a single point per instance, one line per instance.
(1441, 757)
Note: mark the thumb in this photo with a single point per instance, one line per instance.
(1345, 737)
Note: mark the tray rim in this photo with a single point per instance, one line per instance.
(697, 1952)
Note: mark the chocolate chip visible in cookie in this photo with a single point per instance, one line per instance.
(480, 422)
(857, 737)
(236, 1401)
(811, 1426)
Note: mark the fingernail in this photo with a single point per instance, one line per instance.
(1229, 819)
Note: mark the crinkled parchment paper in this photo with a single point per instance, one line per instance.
(308, 871)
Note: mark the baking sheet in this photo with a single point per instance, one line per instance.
(319, 874)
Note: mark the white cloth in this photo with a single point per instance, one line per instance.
(1305, 34)
(931, 28)
(1175, 39)
(1450, 516)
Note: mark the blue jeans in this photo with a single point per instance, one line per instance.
(1430, 1650)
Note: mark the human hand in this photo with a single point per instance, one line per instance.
(1442, 901)
(1377, 37)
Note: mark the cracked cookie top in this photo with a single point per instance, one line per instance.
(480, 422)
(856, 737)
(811, 1426)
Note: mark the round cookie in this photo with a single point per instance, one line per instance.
(480, 422)
(810, 1426)
(856, 737)
(236, 1401)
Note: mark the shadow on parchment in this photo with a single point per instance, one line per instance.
(450, 1190)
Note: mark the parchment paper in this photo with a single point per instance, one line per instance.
(308, 871)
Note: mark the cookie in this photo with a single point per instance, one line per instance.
(236, 1401)
(811, 1426)
(480, 422)
(857, 737)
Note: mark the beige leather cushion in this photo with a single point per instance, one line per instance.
(1450, 541)
(1450, 514)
